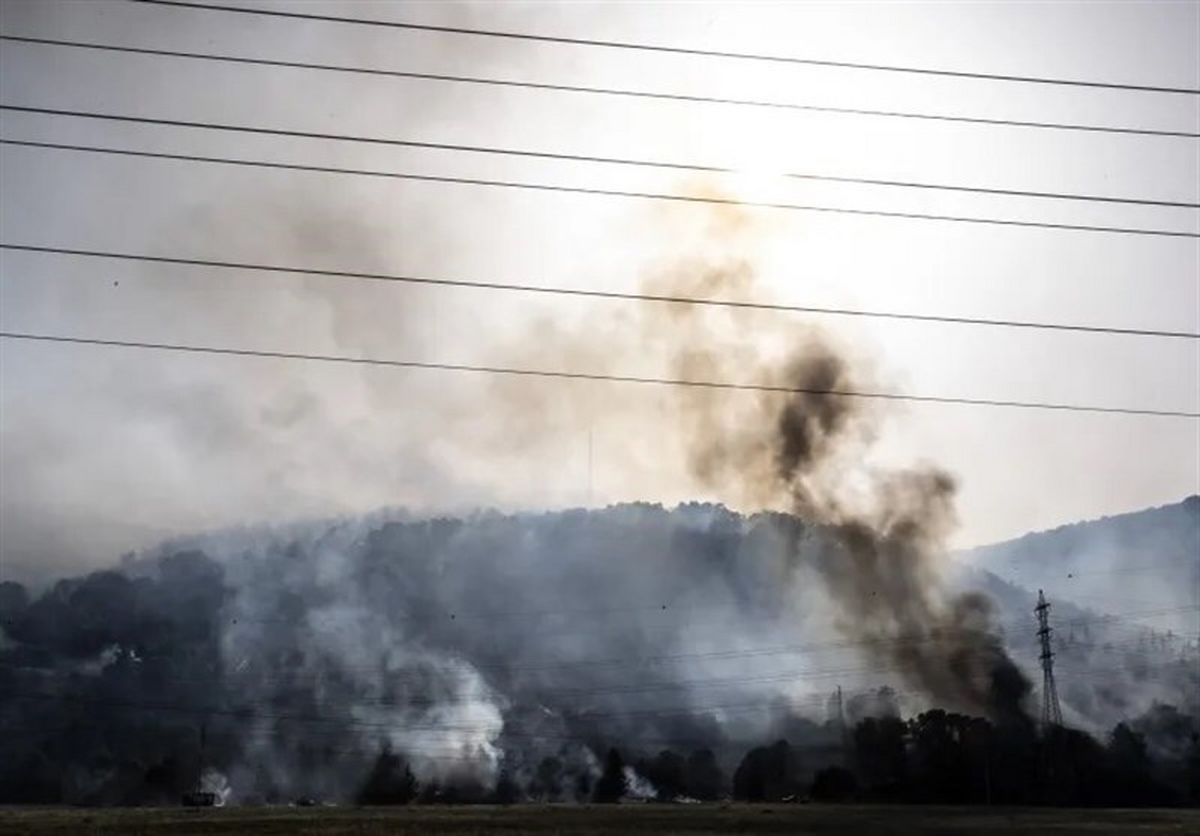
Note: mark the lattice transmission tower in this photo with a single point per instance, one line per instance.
(1051, 710)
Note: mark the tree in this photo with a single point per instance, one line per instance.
(703, 779)
(1072, 768)
(1193, 770)
(834, 783)
(547, 781)
(879, 754)
(1127, 749)
(667, 772)
(768, 773)
(1130, 773)
(506, 790)
(941, 765)
(612, 784)
(389, 782)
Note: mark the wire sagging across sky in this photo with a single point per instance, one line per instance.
(609, 294)
(619, 92)
(479, 149)
(679, 50)
(598, 378)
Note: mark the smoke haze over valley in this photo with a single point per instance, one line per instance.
(375, 487)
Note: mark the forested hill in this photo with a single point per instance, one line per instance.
(1146, 563)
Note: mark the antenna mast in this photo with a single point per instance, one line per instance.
(1051, 710)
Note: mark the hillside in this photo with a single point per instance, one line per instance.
(1124, 592)
(1146, 563)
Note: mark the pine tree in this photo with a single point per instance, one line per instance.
(612, 784)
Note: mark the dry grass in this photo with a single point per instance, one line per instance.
(662, 820)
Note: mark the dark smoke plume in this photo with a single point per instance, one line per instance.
(806, 451)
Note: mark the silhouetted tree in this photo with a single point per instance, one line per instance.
(612, 784)
(389, 782)
(583, 785)
(547, 780)
(14, 600)
(768, 773)
(430, 792)
(1193, 770)
(703, 780)
(941, 764)
(880, 756)
(1127, 749)
(1072, 766)
(1129, 776)
(834, 783)
(506, 790)
(667, 771)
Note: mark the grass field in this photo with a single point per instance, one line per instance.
(629, 820)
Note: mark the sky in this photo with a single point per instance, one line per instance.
(107, 450)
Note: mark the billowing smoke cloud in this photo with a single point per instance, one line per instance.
(523, 646)
(888, 539)
(498, 645)
(802, 443)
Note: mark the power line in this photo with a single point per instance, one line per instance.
(252, 709)
(318, 725)
(708, 169)
(253, 712)
(678, 50)
(591, 689)
(515, 184)
(604, 294)
(610, 91)
(589, 376)
(281, 678)
(259, 677)
(449, 752)
(741, 653)
(639, 687)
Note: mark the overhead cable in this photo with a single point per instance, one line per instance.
(652, 95)
(515, 184)
(588, 376)
(677, 50)
(629, 296)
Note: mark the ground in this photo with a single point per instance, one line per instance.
(662, 820)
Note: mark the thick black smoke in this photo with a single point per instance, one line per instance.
(803, 446)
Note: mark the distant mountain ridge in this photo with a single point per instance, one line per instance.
(1144, 561)
(1125, 589)
(1125, 597)
(1175, 526)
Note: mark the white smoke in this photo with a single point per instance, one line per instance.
(637, 787)
(213, 781)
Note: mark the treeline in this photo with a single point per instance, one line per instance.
(937, 757)
(940, 757)
(282, 670)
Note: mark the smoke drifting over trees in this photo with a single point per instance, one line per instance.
(494, 652)
(559, 656)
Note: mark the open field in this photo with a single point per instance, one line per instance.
(593, 821)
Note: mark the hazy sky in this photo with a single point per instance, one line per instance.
(106, 450)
